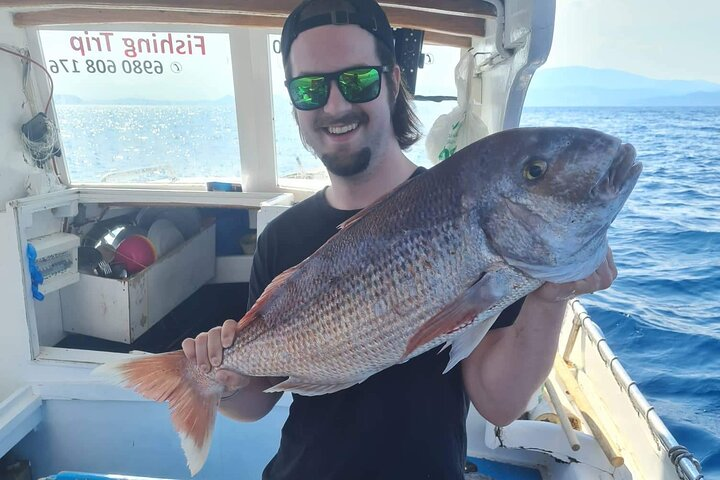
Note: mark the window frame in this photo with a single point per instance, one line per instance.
(250, 64)
(251, 51)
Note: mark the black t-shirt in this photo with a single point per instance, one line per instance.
(406, 422)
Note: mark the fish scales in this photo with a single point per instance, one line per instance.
(354, 305)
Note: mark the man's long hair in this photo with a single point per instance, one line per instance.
(405, 122)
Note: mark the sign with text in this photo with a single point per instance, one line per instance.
(106, 66)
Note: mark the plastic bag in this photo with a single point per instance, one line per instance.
(461, 126)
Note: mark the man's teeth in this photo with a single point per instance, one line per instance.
(342, 129)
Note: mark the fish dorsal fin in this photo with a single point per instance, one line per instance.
(354, 218)
(364, 212)
(373, 206)
(481, 296)
(270, 291)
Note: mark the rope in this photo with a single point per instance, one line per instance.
(24, 54)
(677, 454)
(45, 148)
(41, 151)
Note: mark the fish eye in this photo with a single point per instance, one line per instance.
(535, 169)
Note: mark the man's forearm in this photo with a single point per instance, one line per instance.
(251, 403)
(502, 376)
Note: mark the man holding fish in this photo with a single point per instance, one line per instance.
(364, 158)
(479, 253)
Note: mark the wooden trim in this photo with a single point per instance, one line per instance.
(430, 22)
(279, 7)
(577, 396)
(93, 16)
(79, 16)
(477, 8)
(436, 22)
(436, 38)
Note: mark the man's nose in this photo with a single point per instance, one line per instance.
(336, 102)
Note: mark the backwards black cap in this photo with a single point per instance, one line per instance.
(366, 14)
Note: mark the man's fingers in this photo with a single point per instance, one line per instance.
(201, 352)
(188, 346)
(206, 350)
(215, 349)
(228, 333)
(606, 276)
(611, 263)
(585, 285)
(601, 279)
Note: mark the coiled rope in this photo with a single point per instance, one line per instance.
(677, 454)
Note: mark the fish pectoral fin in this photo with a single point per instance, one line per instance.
(464, 344)
(461, 312)
(307, 388)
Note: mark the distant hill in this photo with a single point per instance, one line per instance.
(589, 87)
(67, 100)
(695, 99)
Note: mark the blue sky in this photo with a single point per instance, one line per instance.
(665, 39)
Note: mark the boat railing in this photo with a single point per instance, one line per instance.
(686, 464)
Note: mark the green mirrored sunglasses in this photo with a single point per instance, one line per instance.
(356, 84)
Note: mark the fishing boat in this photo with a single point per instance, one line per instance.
(68, 308)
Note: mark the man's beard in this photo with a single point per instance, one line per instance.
(347, 165)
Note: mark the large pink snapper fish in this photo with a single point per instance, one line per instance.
(433, 262)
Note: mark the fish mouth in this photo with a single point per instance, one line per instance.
(621, 175)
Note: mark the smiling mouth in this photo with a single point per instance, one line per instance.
(341, 129)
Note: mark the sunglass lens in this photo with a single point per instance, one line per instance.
(309, 92)
(360, 84)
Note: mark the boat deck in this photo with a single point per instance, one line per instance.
(487, 470)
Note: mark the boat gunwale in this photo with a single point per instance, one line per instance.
(686, 464)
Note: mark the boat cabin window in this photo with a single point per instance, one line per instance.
(151, 107)
(137, 107)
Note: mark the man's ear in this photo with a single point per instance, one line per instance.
(396, 81)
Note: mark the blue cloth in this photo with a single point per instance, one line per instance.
(35, 275)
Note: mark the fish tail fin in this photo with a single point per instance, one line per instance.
(193, 396)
